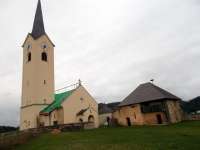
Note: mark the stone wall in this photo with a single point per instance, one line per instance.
(151, 118)
(173, 114)
(174, 111)
(131, 112)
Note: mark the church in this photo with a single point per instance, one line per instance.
(40, 105)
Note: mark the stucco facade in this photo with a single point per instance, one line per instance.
(78, 101)
(37, 81)
(175, 111)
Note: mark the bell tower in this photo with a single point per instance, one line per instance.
(38, 73)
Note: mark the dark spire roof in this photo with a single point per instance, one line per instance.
(147, 92)
(38, 25)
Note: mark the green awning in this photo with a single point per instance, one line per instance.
(56, 104)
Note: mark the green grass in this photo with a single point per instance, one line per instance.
(182, 136)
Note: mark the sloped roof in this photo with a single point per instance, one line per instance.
(107, 108)
(58, 99)
(147, 92)
(38, 25)
(103, 108)
(113, 105)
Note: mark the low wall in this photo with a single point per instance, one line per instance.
(192, 117)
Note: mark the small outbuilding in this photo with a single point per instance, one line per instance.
(148, 104)
(105, 113)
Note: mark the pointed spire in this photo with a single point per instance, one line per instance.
(38, 25)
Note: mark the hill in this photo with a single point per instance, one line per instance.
(182, 136)
(192, 105)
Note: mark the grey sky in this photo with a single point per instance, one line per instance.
(111, 45)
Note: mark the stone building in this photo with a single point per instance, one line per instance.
(149, 104)
(105, 113)
(39, 104)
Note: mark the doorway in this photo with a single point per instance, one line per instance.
(128, 120)
(108, 120)
(159, 119)
(55, 123)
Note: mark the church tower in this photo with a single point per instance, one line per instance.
(38, 73)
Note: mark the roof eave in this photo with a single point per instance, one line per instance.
(123, 105)
(44, 113)
(29, 34)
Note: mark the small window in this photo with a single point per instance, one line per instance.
(28, 46)
(29, 56)
(45, 82)
(44, 56)
(134, 115)
(44, 46)
(45, 101)
(81, 99)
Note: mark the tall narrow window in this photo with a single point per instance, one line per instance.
(134, 115)
(29, 56)
(44, 56)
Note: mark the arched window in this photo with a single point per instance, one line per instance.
(91, 119)
(29, 56)
(44, 56)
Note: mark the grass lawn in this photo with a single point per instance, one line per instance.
(182, 136)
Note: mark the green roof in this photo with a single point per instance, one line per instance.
(58, 99)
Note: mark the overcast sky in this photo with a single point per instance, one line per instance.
(111, 45)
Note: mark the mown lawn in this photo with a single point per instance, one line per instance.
(182, 136)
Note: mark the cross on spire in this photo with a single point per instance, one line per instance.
(38, 25)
